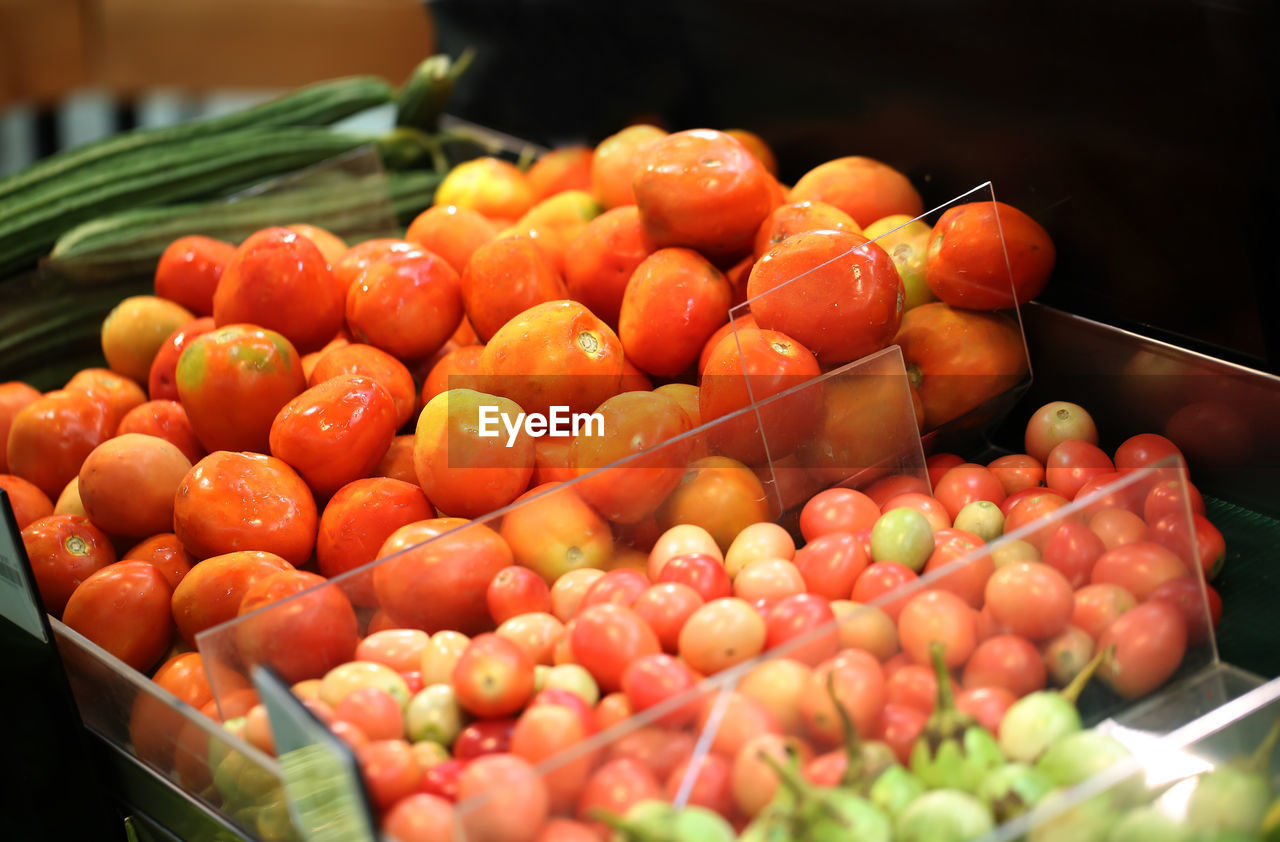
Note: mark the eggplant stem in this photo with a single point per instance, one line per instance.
(1076, 686)
(852, 740)
(1261, 758)
(790, 778)
(946, 699)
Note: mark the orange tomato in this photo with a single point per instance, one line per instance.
(280, 281)
(599, 262)
(739, 323)
(555, 221)
(440, 556)
(127, 484)
(407, 304)
(465, 472)
(355, 260)
(311, 630)
(356, 522)
(553, 354)
(189, 270)
(335, 432)
(162, 378)
(554, 531)
(14, 395)
(29, 503)
(211, 592)
(633, 423)
(504, 278)
(330, 244)
(798, 218)
(704, 190)
(233, 380)
(458, 369)
(633, 379)
(64, 550)
(864, 188)
(132, 589)
(118, 392)
(674, 302)
(452, 232)
(987, 256)
(166, 552)
(154, 727)
(240, 501)
(564, 168)
(721, 495)
(859, 427)
(51, 436)
(756, 364)
(617, 160)
(551, 461)
(490, 186)
(756, 145)
(134, 331)
(834, 291)
(397, 462)
(377, 365)
(165, 420)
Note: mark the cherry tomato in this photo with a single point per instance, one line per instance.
(837, 510)
(419, 817)
(441, 780)
(704, 573)
(373, 711)
(537, 633)
(1032, 600)
(400, 649)
(1169, 497)
(1095, 607)
(900, 729)
(914, 685)
(651, 680)
(547, 731)
(1201, 611)
(659, 749)
(768, 579)
(569, 589)
(607, 638)
(514, 591)
(1149, 641)
(615, 786)
(965, 483)
(1036, 509)
(1210, 547)
(1073, 463)
(620, 587)
(1072, 550)
(986, 704)
(1056, 422)
(941, 616)
(879, 579)
(665, 607)
(807, 619)
(1006, 661)
(1017, 472)
(1139, 568)
(933, 509)
(937, 464)
(1148, 449)
(969, 566)
(1117, 527)
(517, 798)
(831, 564)
(711, 787)
(721, 633)
(488, 736)
(494, 676)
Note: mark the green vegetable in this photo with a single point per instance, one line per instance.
(943, 815)
(1039, 719)
(1234, 797)
(1079, 756)
(894, 790)
(424, 94)
(1147, 824)
(1012, 789)
(954, 752)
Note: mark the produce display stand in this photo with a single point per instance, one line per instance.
(185, 777)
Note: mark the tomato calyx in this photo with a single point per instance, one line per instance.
(588, 342)
(76, 545)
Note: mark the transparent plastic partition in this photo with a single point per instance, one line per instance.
(607, 518)
(781, 697)
(968, 367)
(1212, 777)
(177, 742)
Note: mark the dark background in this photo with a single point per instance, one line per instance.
(1141, 134)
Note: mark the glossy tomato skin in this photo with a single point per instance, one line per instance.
(212, 590)
(280, 281)
(494, 677)
(64, 550)
(461, 563)
(1150, 641)
(189, 270)
(673, 303)
(357, 520)
(556, 353)
(335, 432)
(236, 501)
(164, 419)
(130, 588)
(607, 638)
(837, 510)
(233, 380)
(965, 264)
(162, 379)
(755, 364)
(959, 359)
(798, 218)
(598, 263)
(376, 364)
(51, 436)
(166, 553)
(702, 189)
(862, 187)
(505, 277)
(29, 503)
(14, 395)
(834, 291)
(305, 635)
(406, 303)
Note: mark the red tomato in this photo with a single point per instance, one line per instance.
(1072, 550)
(503, 278)
(651, 680)
(988, 256)
(702, 572)
(673, 303)
(376, 364)
(804, 626)
(931, 508)
(189, 270)
(1111, 491)
(615, 786)
(1171, 497)
(711, 786)
(374, 711)
(390, 770)
(443, 555)
(51, 436)
(162, 378)
(165, 420)
(879, 579)
(859, 689)
(1035, 510)
(913, 685)
(939, 616)
(1072, 463)
(132, 589)
(605, 640)
(441, 780)
(312, 631)
(1006, 661)
(405, 302)
(1200, 610)
(1209, 549)
(834, 291)
(665, 607)
(1149, 642)
(969, 580)
(518, 801)
(515, 591)
(599, 262)
(986, 704)
(547, 731)
(1148, 449)
(493, 676)
(487, 736)
(620, 587)
(900, 729)
(837, 510)
(212, 591)
(14, 395)
(1055, 422)
(1097, 606)
(831, 564)
(420, 817)
(1017, 472)
(64, 550)
(1117, 527)
(1031, 599)
(355, 523)
(659, 749)
(1138, 568)
(966, 483)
